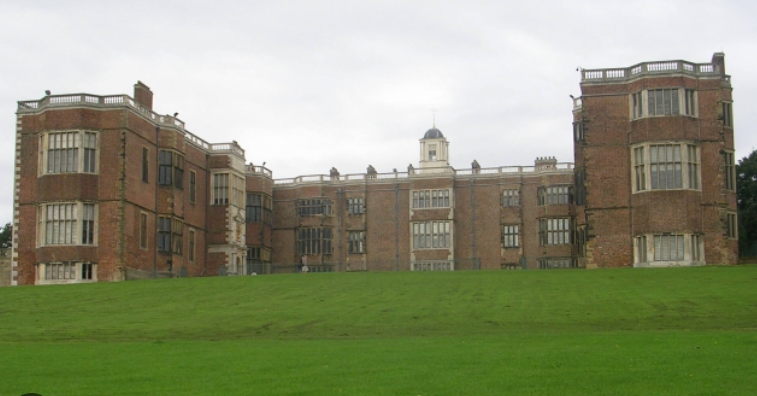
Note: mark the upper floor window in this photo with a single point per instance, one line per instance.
(730, 170)
(578, 131)
(69, 152)
(220, 188)
(70, 223)
(728, 114)
(192, 186)
(314, 240)
(170, 169)
(145, 164)
(164, 234)
(313, 207)
(510, 236)
(663, 102)
(554, 195)
(355, 206)
(431, 199)
(432, 152)
(258, 208)
(431, 235)
(357, 242)
(511, 197)
(554, 232)
(666, 167)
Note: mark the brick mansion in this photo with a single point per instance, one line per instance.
(107, 189)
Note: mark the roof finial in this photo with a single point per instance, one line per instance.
(433, 111)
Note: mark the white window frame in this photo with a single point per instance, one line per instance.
(687, 166)
(61, 272)
(79, 142)
(431, 199)
(668, 249)
(686, 99)
(431, 234)
(55, 232)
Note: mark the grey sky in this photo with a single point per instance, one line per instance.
(306, 86)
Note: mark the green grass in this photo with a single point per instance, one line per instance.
(680, 331)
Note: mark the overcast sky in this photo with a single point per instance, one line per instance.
(307, 85)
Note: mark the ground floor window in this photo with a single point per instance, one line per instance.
(557, 262)
(432, 266)
(662, 249)
(314, 240)
(67, 271)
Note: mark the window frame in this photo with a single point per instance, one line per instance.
(511, 197)
(431, 199)
(356, 205)
(431, 234)
(356, 242)
(510, 236)
(555, 231)
(73, 223)
(82, 146)
(683, 168)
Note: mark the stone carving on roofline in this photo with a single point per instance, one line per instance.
(334, 173)
(371, 171)
(475, 166)
(545, 163)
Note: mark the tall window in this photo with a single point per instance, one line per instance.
(580, 186)
(431, 235)
(554, 195)
(238, 192)
(511, 197)
(665, 166)
(690, 103)
(177, 233)
(191, 252)
(639, 171)
(143, 230)
(170, 169)
(730, 171)
(355, 206)
(578, 131)
(313, 207)
(164, 234)
(70, 152)
(165, 168)
(662, 101)
(641, 248)
(728, 114)
(67, 224)
(636, 106)
(258, 209)
(510, 236)
(554, 231)
(731, 227)
(693, 166)
(431, 199)
(220, 188)
(178, 171)
(668, 248)
(696, 248)
(192, 186)
(314, 240)
(357, 242)
(145, 164)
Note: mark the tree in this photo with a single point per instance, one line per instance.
(6, 233)
(746, 192)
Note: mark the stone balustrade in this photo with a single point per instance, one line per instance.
(425, 173)
(650, 68)
(112, 101)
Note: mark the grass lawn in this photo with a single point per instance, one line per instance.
(678, 331)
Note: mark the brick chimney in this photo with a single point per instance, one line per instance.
(143, 95)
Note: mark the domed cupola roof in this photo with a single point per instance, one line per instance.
(433, 133)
